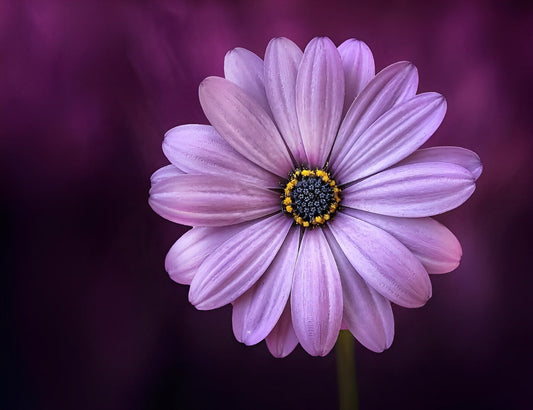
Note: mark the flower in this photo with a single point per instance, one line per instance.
(309, 197)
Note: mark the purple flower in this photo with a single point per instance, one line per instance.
(309, 197)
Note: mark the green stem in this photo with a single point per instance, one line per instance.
(348, 399)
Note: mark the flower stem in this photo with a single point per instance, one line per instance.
(348, 399)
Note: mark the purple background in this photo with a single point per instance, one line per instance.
(87, 90)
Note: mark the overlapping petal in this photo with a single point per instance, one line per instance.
(359, 68)
(164, 173)
(190, 250)
(209, 200)
(382, 261)
(244, 124)
(319, 98)
(394, 136)
(366, 313)
(455, 155)
(237, 264)
(282, 59)
(412, 190)
(257, 311)
(282, 339)
(316, 298)
(246, 69)
(391, 86)
(199, 149)
(431, 242)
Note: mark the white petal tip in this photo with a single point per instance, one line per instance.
(202, 301)
(203, 306)
(378, 348)
(250, 339)
(207, 82)
(195, 300)
(477, 171)
(233, 51)
(279, 354)
(319, 352)
(183, 278)
(279, 349)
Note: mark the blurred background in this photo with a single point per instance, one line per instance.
(91, 319)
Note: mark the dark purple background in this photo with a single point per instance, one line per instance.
(92, 320)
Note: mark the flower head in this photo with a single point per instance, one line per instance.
(309, 197)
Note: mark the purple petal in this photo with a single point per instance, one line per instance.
(188, 252)
(394, 136)
(319, 98)
(199, 149)
(238, 263)
(244, 68)
(393, 85)
(359, 69)
(366, 313)
(209, 200)
(244, 124)
(316, 297)
(282, 59)
(164, 173)
(257, 311)
(431, 242)
(413, 190)
(282, 340)
(382, 261)
(456, 155)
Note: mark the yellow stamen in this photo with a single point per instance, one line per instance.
(290, 205)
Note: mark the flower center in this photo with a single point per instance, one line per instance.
(310, 196)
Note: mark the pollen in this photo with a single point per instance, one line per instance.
(311, 197)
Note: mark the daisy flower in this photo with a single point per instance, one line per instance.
(308, 196)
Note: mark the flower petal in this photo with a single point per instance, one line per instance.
(366, 313)
(190, 250)
(282, 340)
(164, 173)
(431, 242)
(199, 149)
(413, 190)
(391, 86)
(282, 58)
(238, 263)
(382, 261)
(257, 311)
(244, 124)
(316, 298)
(319, 98)
(209, 200)
(359, 68)
(456, 155)
(394, 136)
(246, 69)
